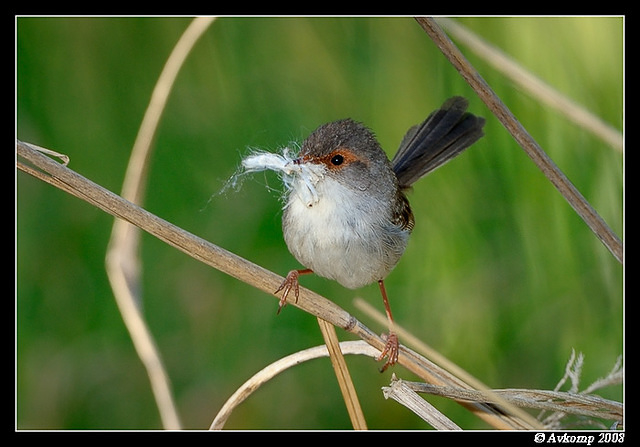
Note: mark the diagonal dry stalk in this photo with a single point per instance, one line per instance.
(466, 380)
(33, 162)
(579, 404)
(403, 394)
(524, 139)
(536, 87)
(561, 403)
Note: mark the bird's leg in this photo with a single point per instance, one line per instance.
(291, 282)
(392, 346)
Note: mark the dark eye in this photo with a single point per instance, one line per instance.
(337, 160)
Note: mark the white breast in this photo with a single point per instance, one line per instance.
(343, 236)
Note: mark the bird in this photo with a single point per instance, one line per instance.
(356, 228)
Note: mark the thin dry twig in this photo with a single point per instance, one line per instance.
(532, 84)
(466, 380)
(561, 403)
(566, 402)
(272, 370)
(573, 370)
(614, 377)
(347, 387)
(524, 139)
(401, 392)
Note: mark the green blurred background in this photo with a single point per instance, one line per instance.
(501, 276)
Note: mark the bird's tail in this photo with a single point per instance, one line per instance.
(445, 133)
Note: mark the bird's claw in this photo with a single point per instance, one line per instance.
(290, 282)
(390, 351)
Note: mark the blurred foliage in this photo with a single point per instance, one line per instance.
(501, 275)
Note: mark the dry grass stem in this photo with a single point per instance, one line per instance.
(565, 402)
(532, 84)
(560, 403)
(135, 176)
(347, 388)
(411, 340)
(405, 395)
(465, 379)
(64, 159)
(524, 139)
(605, 409)
(272, 370)
(615, 377)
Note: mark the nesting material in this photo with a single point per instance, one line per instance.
(290, 170)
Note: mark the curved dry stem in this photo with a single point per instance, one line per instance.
(272, 370)
(135, 181)
(122, 258)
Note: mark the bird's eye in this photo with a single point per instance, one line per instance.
(337, 160)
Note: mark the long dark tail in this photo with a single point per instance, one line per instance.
(442, 136)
